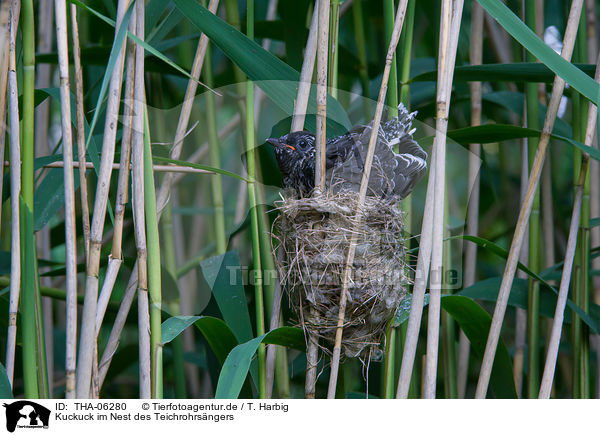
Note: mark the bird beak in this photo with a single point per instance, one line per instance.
(279, 143)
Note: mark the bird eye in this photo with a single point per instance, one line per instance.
(302, 143)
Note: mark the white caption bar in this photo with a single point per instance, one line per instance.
(298, 416)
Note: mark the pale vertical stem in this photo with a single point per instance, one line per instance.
(232, 14)
(44, 20)
(406, 50)
(173, 305)
(335, 359)
(389, 362)
(43, 76)
(48, 321)
(215, 160)
(546, 188)
(137, 160)
(449, 31)
(266, 44)
(110, 277)
(524, 214)
(581, 294)
(298, 124)
(34, 360)
(306, 74)
(186, 110)
(202, 150)
(547, 212)
(130, 292)
(272, 298)
(88, 325)
(115, 258)
(550, 365)
(154, 264)
(144, 336)
(416, 307)
(123, 177)
(333, 46)
(531, 15)
(186, 302)
(594, 190)
(592, 32)
(361, 54)
(392, 95)
(322, 43)
(276, 355)
(254, 219)
(170, 179)
(521, 314)
(4, 49)
(448, 325)
(500, 42)
(272, 349)
(85, 212)
(118, 325)
(475, 54)
(15, 193)
(70, 232)
(312, 359)
(392, 102)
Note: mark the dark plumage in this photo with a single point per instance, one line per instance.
(393, 174)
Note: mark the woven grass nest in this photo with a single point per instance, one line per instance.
(315, 235)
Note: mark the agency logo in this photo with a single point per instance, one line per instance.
(26, 414)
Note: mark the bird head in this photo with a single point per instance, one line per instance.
(291, 148)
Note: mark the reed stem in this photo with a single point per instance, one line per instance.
(406, 50)
(15, 195)
(361, 52)
(171, 268)
(449, 31)
(553, 347)
(335, 359)
(215, 159)
(334, 28)
(392, 102)
(87, 342)
(70, 234)
(525, 212)
(254, 221)
(534, 261)
(85, 211)
(322, 59)
(475, 54)
(154, 267)
(34, 365)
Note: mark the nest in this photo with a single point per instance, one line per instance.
(315, 237)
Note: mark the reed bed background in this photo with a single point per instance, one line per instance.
(138, 195)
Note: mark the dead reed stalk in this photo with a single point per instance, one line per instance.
(475, 54)
(519, 235)
(88, 322)
(186, 110)
(554, 342)
(80, 116)
(15, 194)
(450, 28)
(70, 232)
(335, 359)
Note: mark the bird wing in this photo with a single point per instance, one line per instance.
(339, 148)
(398, 162)
(411, 166)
